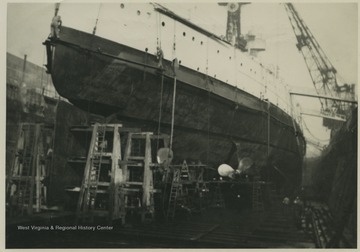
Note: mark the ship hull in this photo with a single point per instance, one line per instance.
(106, 78)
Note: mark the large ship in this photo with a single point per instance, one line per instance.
(148, 67)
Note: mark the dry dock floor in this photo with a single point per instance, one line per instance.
(214, 228)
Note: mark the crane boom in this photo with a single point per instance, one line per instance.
(322, 72)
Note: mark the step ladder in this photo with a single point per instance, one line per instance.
(218, 200)
(175, 190)
(124, 193)
(89, 204)
(24, 188)
(184, 172)
(257, 198)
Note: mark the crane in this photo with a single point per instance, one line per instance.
(334, 99)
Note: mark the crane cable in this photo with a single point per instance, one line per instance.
(173, 113)
(208, 105)
(97, 19)
(158, 47)
(174, 93)
(160, 109)
(308, 130)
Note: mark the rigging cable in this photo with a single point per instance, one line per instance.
(308, 130)
(158, 30)
(42, 73)
(208, 105)
(158, 48)
(173, 113)
(97, 19)
(174, 93)
(160, 108)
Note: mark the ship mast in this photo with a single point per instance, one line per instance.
(233, 25)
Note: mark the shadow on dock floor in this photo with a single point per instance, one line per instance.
(215, 228)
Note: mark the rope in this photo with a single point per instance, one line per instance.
(97, 19)
(208, 126)
(174, 93)
(158, 30)
(160, 109)
(42, 72)
(268, 129)
(308, 130)
(208, 112)
(173, 114)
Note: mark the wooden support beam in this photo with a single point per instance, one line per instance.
(116, 176)
(33, 167)
(148, 179)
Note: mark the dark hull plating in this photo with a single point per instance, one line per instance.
(105, 77)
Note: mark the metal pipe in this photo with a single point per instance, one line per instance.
(173, 114)
(324, 116)
(324, 97)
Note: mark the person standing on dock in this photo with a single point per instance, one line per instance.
(286, 206)
(298, 207)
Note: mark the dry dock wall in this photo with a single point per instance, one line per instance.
(335, 180)
(25, 103)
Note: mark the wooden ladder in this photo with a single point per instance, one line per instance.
(174, 191)
(185, 174)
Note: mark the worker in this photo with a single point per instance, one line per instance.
(15, 201)
(159, 56)
(49, 153)
(286, 201)
(298, 206)
(286, 205)
(308, 219)
(303, 196)
(103, 145)
(55, 27)
(45, 182)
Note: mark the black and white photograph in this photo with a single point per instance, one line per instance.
(180, 125)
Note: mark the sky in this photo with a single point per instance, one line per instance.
(334, 25)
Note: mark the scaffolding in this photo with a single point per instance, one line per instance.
(118, 176)
(27, 180)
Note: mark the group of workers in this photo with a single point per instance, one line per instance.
(300, 209)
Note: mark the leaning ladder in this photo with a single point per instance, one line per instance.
(185, 174)
(175, 188)
(89, 188)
